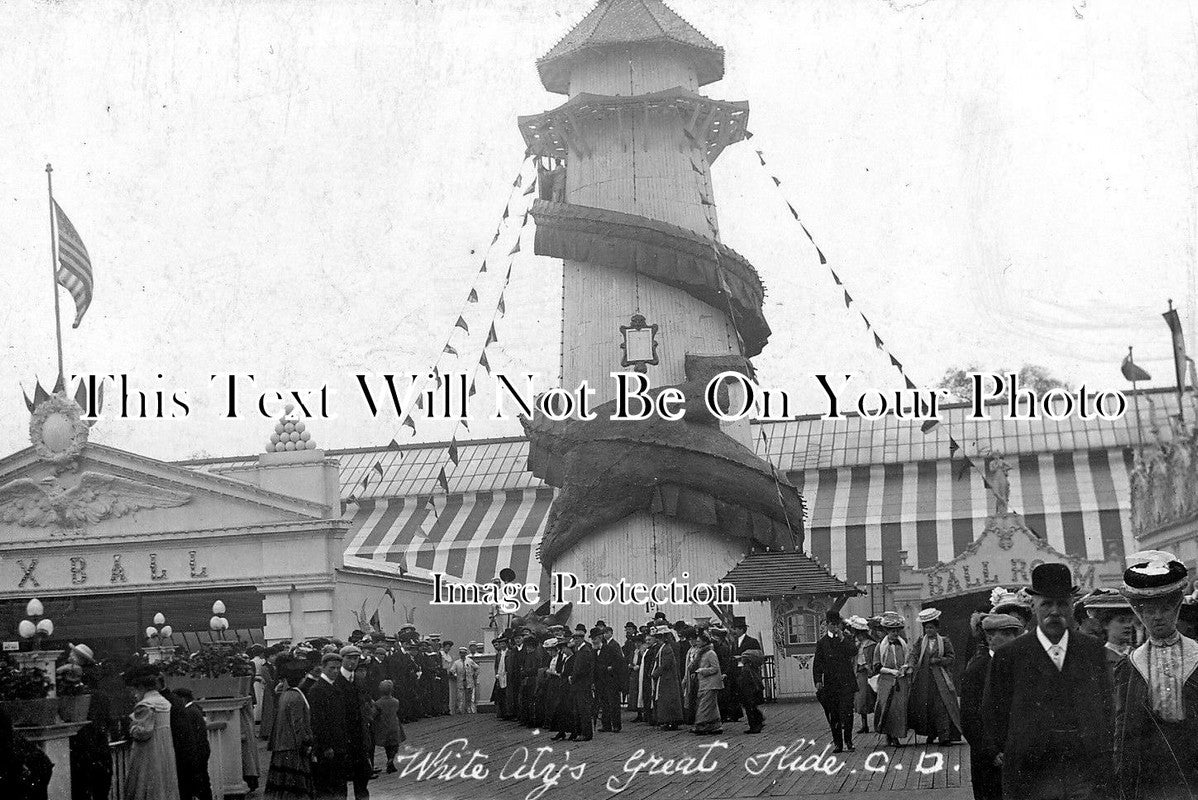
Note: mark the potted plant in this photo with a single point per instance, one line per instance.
(23, 696)
(215, 670)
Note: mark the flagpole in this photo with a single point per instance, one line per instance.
(54, 278)
(1135, 396)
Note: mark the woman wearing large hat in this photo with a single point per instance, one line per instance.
(1156, 688)
(863, 665)
(894, 679)
(933, 710)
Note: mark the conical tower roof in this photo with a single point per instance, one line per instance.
(618, 23)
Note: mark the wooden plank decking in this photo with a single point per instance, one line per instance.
(479, 756)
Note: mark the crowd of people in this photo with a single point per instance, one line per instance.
(1056, 702)
(567, 682)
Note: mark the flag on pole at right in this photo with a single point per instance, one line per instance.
(74, 271)
(1179, 347)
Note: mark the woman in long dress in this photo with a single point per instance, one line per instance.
(863, 666)
(152, 774)
(894, 681)
(934, 710)
(290, 774)
(709, 680)
(634, 675)
(667, 698)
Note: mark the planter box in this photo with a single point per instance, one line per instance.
(38, 713)
(74, 708)
(224, 686)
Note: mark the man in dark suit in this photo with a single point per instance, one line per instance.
(582, 686)
(835, 678)
(189, 734)
(358, 710)
(749, 657)
(611, 674)
(1049, 701)
(997, 630)
(514, 665)
(330, 737)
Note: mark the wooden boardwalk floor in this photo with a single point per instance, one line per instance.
(479, 756)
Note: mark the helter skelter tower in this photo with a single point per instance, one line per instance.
(635, 227)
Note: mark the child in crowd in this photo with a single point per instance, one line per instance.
(388, 730)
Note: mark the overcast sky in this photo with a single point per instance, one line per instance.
(305, 190)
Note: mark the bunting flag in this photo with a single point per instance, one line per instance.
(519, 179)
(461, 323)
(74, 272)
(409, 423)
(449, 349)
(1133, 371)
(484, 363)
(443, 480)
(432, 502)
(928, 425)
(501, 219)
(472, 391)
(375, 622)
(501, 308)
(394, 445)
(515, 248)
(492, 337)
(473, 296)
(453, 451)
(378, 467)
(387, 593)
(532, 186)
(483, 268)
(464, 424)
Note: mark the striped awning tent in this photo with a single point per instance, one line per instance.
(472, 536)
(874, 489)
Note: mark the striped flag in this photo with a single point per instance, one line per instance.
(74, 267)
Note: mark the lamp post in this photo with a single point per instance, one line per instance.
(218, 624)
(159, 640)
(35, 628)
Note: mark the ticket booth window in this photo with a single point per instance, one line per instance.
(801, 628)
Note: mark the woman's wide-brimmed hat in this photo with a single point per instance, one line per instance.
(858, 623)
(892, 620)
(1153, 573)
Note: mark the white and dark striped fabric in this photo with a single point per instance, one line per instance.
(1078, 501)
(74, 271)
(471, 537)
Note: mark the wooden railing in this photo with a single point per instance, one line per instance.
(120, 768)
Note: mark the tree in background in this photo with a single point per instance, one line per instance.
(1031, 376)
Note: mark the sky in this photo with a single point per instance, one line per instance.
(305, 191)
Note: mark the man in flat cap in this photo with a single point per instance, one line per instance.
(1156, 687)
(1049, 701)
(611, 679)
(329, 732)
(358, 709)
(582, 686)
(835, 680)
(997, 630)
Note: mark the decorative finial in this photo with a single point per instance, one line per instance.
(290, 433)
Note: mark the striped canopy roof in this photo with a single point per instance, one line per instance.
(874, 489)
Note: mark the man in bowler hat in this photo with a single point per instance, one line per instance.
(1048, 702)
(836, 680)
